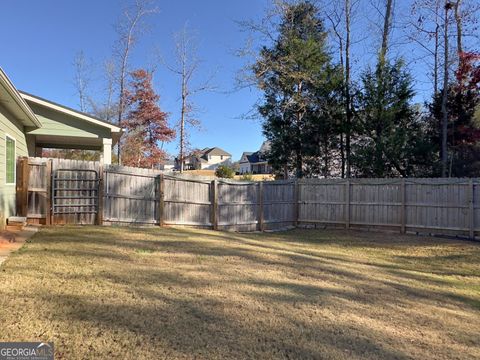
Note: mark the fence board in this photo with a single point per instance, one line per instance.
(138, 196)
(131, 195)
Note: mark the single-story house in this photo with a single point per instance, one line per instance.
(256, 162)
(29, 123)
(207, 159)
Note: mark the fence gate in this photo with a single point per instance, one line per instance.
(75, 196)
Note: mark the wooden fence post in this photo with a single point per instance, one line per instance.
(403, 218)
(100, 194)
(260, 206)
(471, 208)
(214, 204)
(347, 204)
(161, 200)
(23, 173)
(48, 174)
(296, 205)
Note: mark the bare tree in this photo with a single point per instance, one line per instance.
(348, 101)
(128, 28)
(110, 89)
(424, 29)
(466, 21)
(186, 67)
(81, 79)
(444, 147)
(106, 107)
(342, 17)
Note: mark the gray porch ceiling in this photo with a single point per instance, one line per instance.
(68, 142)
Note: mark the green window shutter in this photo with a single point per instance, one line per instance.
(10, 160)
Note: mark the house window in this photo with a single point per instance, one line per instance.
(221, 157)
(10, 160)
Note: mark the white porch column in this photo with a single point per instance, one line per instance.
(107, 151)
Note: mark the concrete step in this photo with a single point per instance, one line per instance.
(15, 223)
(17, 219)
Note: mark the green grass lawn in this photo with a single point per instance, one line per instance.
(132, 293)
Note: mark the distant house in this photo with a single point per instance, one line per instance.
(168, 165)
(256, 162)
(206, 159)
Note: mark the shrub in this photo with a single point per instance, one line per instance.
(246, 177)
(224, 171)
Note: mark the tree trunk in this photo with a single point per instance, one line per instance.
(435, 60)
(458, 21)
(348, 101)
(182, 135)
(386, 30)
(344, 121)
(299, 152)
(129, 42)
(342, 154)
(121, 95)
(444, 148)
(184, 108)
(299, 164)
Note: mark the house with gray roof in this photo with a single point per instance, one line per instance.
(256, 162)
(207, 159)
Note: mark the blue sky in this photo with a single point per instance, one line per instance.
(40, 39)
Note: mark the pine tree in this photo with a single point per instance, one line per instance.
(146, 124)
(290, 74)
(392, 141)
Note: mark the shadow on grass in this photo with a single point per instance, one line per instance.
(320, 266)
(186, 298)
(200, 326)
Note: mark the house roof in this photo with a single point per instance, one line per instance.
(216, 151)
(257, 156)
(254, 157)
(13, 101)
(266, 146)
(69, 111)
(245, 155)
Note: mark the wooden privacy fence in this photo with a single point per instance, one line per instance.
(438, 206)
(142, 196)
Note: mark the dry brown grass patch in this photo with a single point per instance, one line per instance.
(133, 293)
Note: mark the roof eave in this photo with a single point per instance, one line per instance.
(72, 112)
(19, 101)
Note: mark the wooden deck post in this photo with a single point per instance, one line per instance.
(161, 200)
(403, 218)
(471, 208)
(214, 204)
(260, 207)
(48, 210)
